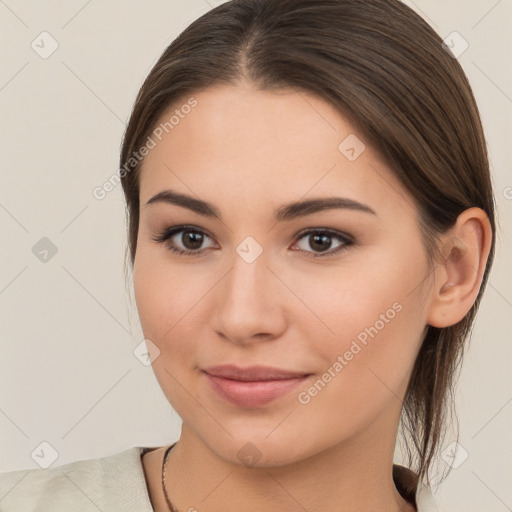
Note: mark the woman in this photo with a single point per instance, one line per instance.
(311, 224)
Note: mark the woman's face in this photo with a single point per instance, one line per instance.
(333, 294)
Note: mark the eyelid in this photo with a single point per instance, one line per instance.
(346, 239)
(330, 231)
(169, 232)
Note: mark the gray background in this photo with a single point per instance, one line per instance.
(68, 374)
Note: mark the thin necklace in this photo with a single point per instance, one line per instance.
(173, 509)
(169, 504)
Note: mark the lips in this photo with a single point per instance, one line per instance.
(253, 386)
(252, 373)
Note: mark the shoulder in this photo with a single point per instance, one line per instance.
(425, 499)
(413, 489)
(114, 482)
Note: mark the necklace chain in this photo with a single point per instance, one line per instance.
(168, 501)
(169, 504)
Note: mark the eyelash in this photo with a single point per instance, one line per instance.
(167, 233)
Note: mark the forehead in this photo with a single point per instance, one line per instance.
(251, 145)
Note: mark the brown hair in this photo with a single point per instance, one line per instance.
(382, 66)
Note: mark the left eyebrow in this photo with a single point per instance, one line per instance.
(302, 208)
(286, 212)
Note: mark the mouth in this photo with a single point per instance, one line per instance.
(254, 386)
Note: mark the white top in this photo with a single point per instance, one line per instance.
(110, 484)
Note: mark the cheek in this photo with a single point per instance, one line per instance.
(364, 368)
(378, 321)
(169, 307)
(155, 295)
(170, 301)
(369, 292)
(162, 290)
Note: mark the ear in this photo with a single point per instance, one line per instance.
(458, 278)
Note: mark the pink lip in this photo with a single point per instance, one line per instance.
(253, 386)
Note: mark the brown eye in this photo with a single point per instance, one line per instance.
(321, 241)
(183, 240)
(188, 241)
(191, 240)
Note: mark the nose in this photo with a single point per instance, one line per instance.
(249, 303)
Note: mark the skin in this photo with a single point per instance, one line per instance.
(248, 152)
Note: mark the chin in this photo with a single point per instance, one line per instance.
(258, 449)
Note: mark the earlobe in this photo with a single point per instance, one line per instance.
(457, 279)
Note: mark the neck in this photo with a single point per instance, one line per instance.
(355, 475)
